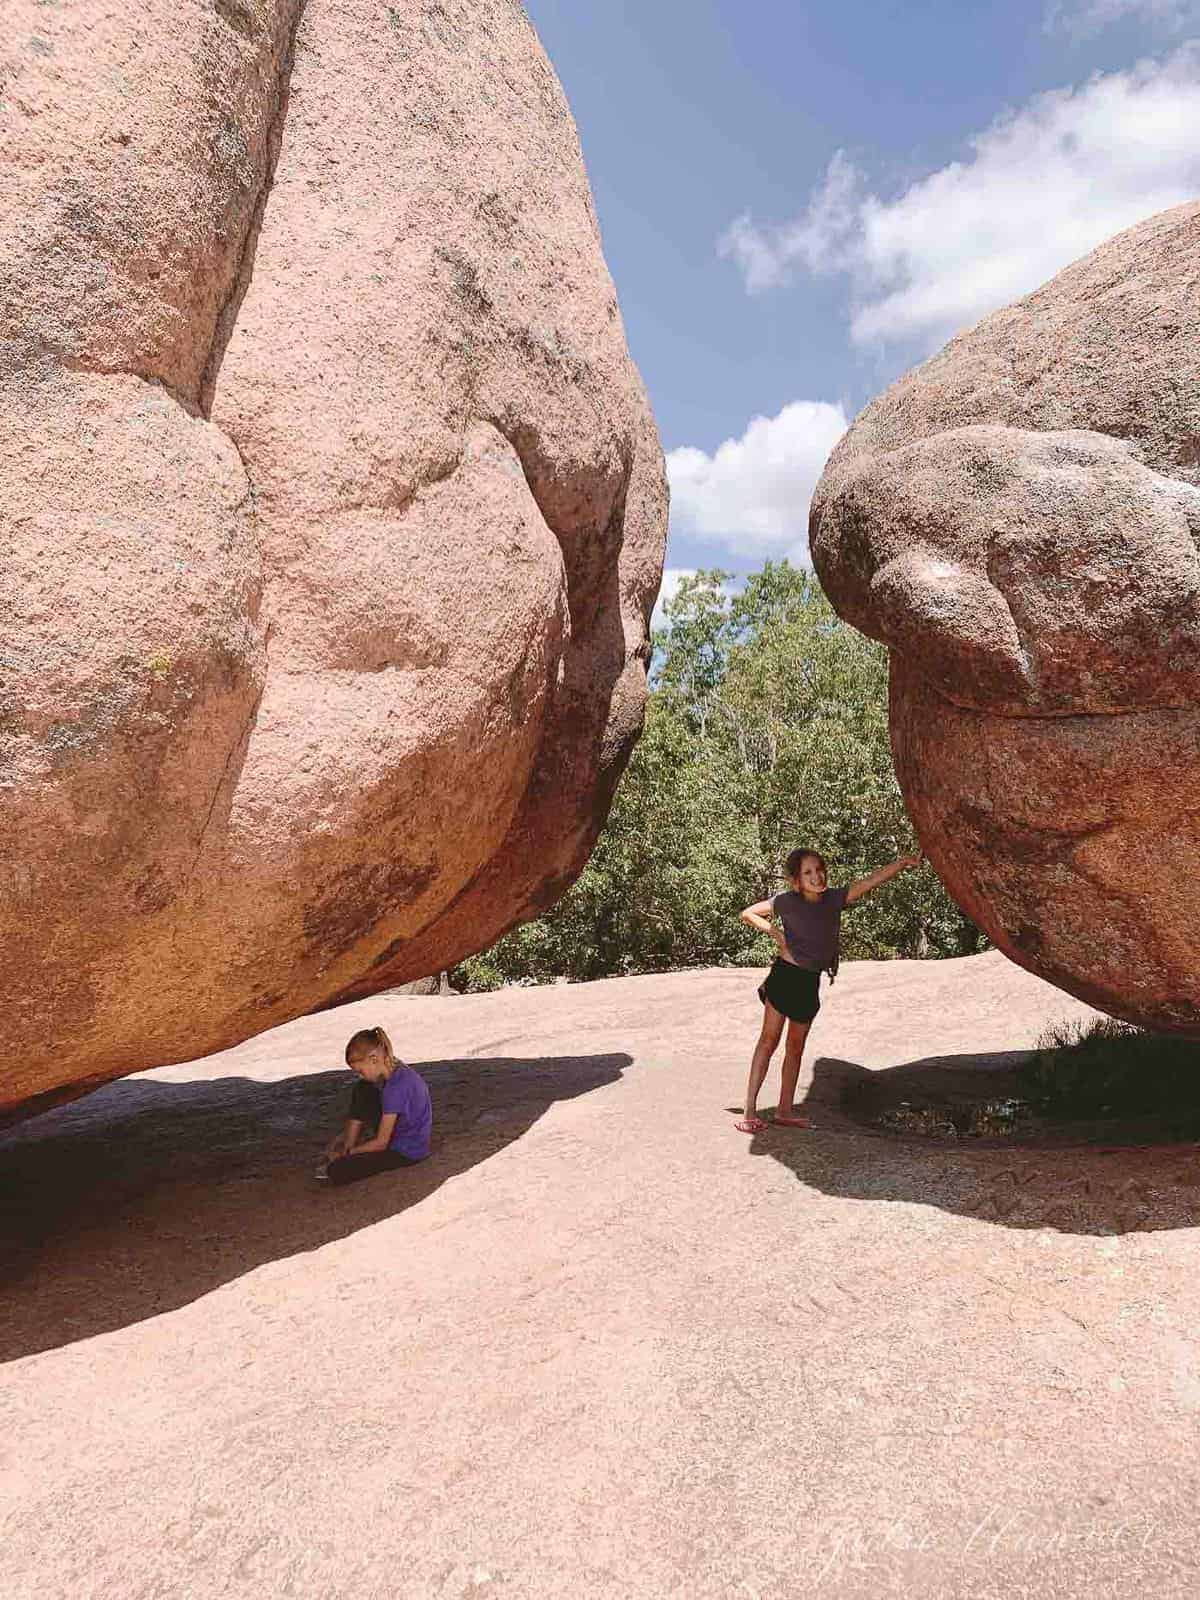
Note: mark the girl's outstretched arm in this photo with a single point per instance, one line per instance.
(881, 875)
(758, 916)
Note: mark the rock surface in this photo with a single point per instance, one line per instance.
(339, 514)
(625, 1336)
(1019, 521)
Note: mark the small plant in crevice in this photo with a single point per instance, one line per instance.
(1106, 1069)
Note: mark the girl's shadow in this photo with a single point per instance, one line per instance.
(1065, 1182)
(147, 1194)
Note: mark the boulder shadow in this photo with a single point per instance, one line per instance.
(1082, 1181)
(148, 1194)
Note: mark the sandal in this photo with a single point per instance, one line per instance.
(752, 1125)
(791, 1122)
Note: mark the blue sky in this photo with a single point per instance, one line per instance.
(799, 200)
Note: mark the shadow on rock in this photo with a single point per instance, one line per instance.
(1051, 1182)
(148, 1194)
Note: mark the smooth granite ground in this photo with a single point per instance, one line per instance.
(602, 1344)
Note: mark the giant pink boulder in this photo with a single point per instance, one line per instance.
(1019, 521)
(337, 514)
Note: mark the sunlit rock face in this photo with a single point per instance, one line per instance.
(334, 508)
(1019, 521)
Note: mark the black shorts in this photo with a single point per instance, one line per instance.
(792, 990)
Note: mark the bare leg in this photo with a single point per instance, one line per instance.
(768, 1041)
(797, 1036)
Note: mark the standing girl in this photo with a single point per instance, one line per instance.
(391, 1117)
(808, 940)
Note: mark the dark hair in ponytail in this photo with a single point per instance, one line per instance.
(796, 861)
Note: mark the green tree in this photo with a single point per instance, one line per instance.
(767, 728)
(657, 892)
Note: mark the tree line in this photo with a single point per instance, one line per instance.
(767, 728)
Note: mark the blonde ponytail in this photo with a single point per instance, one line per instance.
(367, 1040)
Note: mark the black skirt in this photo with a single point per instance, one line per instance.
(792, 990)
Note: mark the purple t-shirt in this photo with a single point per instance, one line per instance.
(407, 1094)
(812, 927)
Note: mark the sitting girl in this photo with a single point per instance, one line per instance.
(390, 1119)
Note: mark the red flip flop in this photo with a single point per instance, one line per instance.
(752, 1125)
(791, 1122)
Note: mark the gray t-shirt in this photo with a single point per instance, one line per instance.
(812, 927)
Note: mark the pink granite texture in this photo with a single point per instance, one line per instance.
(601, 1346)
(1019, 521)
(338, 513)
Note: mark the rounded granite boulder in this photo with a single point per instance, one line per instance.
(336, 515)
(1019, 521)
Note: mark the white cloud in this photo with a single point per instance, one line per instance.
(1040, 188)
(751, 496)
(1083, 17)
(816, 240)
